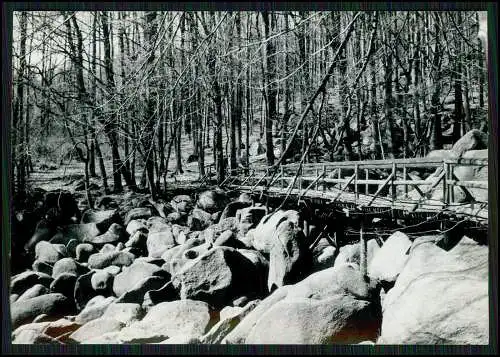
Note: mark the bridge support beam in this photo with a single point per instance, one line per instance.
(362, 250)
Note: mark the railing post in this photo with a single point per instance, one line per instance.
(366, 184)
(393, 186)
(451, 187)
(339, 176)
(445, 177)
(355, 183)
(405, 174)
(324, 175)
(362, 248)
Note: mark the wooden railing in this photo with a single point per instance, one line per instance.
(311, 179)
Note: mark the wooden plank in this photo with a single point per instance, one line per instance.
(469, 184)
(347, 184)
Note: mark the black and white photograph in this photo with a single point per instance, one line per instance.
(271, 177)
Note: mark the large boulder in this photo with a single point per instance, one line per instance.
(335, 305)
(158, 242)
(94, 309)
(131, 275)
(69, 266)
(167, 319)
(44, 230)
(49, 253)
(212, 201)
(96, 328)
(138, 240)
(199, 220)
(264, 234)
(350, 253)
(138, 291)
(138, 213)
(42, 267)
(472, 140)
(84, 251)
(23, 312)
(181, 203)
(83, 290)
(80, 232)
(64, 284)
(233, 207)
(102, 282)
(249, 218)
(217, 277)
(227, 323)
(114, 234)
(103, 219)
(474, 173)
(440, 297)
(136, 225)
(34, 291)
(165, 293)
(290, 259)
(103, 260)
(390, 259)
(126, 313)
(21, 282)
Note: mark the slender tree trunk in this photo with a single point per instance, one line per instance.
(436, 141)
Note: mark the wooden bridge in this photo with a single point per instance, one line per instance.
(372, 185)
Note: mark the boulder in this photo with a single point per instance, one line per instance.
(109, 338)
(228, 239)
(177, 231)
(264, 234)
(158, 242)
(83, 290)
(440, 297)
(472, 140)
(136, 293)
(212, 201)
(133, 274)
(157, 224)
(115, 234)
(199, 220)
(389, 260)
(80, 232)
(138, 240)
(183, 317)
(102, 260)
(23, 312)
(155, 296)
(231, 209)
(94, 309)
(182, 203)
(113, 269)
(96, 328)
(177, 218)
(324, 258)
(21, 282)
(217, 277)
(103, 219)
(42, 267)
(13, 297)
(102, 282)
(334, 305)
(181, 340)
(33, 337)
(350, 253)
(290, 259)
(49, 253)
(71, 247)
(32, 292)
(43, 232)
(473, 173)
(68, 266)
(126, 313)
(228, 321)
(137, 225)
(107, 248)
(64, 284)
(106, 202)
(84, 251)
(138, 213)
(61, 327)
(185, 256)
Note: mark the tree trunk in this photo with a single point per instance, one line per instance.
(270, 61)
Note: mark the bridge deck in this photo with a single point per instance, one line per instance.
(345, 183)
